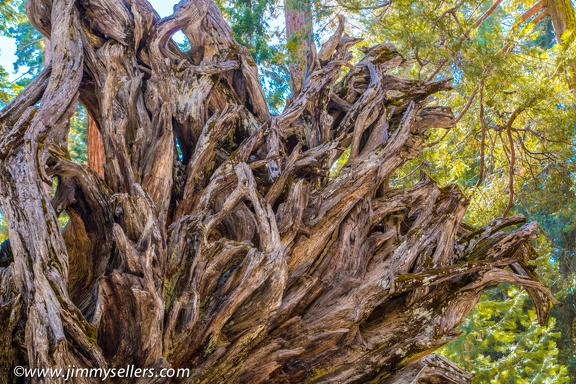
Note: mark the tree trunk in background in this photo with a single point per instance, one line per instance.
(218, 239)
(563, 19)
(95, 147)
(300, 39)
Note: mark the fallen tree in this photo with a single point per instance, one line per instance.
(218, 240)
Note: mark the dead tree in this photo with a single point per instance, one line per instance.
(218, 240)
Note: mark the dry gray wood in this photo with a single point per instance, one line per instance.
(432, 369)
(242, 258)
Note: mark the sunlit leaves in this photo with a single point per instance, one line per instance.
(503, 343)
(526, 93)
(77, 138)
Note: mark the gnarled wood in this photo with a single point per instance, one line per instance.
(430, 370)
(217, 240)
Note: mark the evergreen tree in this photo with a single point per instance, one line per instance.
(508, 49)
(514, 102)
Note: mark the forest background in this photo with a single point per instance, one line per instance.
(512, 64)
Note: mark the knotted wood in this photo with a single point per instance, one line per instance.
(218, 239)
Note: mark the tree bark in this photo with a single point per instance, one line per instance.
(563, 18)
(218, 240)
(94, 147)
(47, 52)
(300, 39)
(429, 370)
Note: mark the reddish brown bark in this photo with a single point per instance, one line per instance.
(299, 34)
(95, 148)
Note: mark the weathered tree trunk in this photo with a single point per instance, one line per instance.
(217, 240)
(47, 52)
(95, 147)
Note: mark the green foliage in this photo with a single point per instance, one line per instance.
(501, 339)
(77, 137)
(339, 163)
(7, 88)
(512, 69)
(251, 22)
(9, 13)
(503, 343)
(3, 228)
(29, 46)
